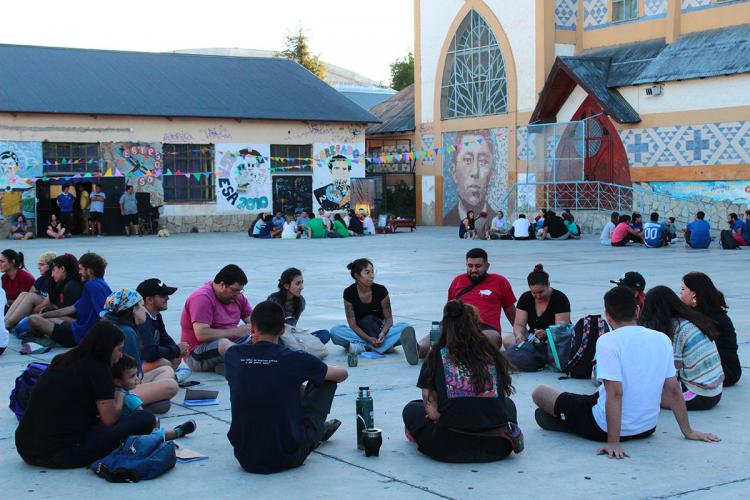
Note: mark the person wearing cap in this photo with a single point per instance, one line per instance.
(68, 325)
(157, 347)
(125, 309)
(635, 282)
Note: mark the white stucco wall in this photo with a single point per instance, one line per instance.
(708, 93)
(518, 19)
(574, 102)
(565, 49)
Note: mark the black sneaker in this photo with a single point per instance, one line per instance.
(410, 345)
(331, 427)
(549, 422)
(185, 428)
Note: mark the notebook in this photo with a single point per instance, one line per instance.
(201, 397)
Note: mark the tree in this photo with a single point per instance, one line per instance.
(298, 49)
(402, 72)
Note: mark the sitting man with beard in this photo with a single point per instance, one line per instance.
(488, 292)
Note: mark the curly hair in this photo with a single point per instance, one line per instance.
(461, 334)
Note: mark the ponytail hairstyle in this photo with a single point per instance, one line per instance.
(461, 335)
(357, 266)
(538, 276)
(14, 258)
(286, 278)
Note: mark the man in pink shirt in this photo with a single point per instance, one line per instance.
(210, 317)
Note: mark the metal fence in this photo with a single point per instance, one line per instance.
(554, 152)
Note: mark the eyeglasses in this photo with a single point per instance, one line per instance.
(236, 290)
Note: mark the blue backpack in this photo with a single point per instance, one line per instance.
(25, 382)
(139, 457)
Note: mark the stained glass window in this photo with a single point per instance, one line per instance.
(474, 76)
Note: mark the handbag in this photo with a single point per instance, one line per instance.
(559, 344)
(527, 356)
(298, 339)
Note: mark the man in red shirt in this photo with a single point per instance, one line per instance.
(488, 292)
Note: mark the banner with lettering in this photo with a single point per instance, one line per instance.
(243, 180)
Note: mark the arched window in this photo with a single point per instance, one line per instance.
(474, 74)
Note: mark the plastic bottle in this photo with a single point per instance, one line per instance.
(434, 333)
(365, 417)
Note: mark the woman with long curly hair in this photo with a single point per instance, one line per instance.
(700, 293)
(466, 414)
(693, 336)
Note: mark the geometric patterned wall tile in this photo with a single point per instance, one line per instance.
(725, 143)
(595, 13)
(525, 144)
(694, 4)
(566, 12)
(654, 7)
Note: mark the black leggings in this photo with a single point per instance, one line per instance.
(99, 442)
(699, 403)
(445, 445)
(628, 237)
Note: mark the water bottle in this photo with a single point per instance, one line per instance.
(434, 333)
(365, 418)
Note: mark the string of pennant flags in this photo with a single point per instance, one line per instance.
(112, 169)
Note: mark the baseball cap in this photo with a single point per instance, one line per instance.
(631, 279)
(154, 286)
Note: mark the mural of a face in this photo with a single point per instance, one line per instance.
(8, 160)
(472, 171)
(247, 172)
(340, 172)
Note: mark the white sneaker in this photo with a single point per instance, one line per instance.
(182, 374)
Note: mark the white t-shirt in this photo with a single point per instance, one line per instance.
(4, 337)
(289, 232)
(521, 228)
(369, 225)
(642, 360)
(606, 236)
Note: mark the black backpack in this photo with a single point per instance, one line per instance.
(727, 240)
(583, 348)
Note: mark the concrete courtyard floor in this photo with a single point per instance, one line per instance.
(417, 268)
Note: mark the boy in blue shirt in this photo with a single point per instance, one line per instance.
(698, 232)
(654, 233)
(65, 204)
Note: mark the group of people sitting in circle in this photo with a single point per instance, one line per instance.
(304, 224)
(664, 350)
(547, 225)
(623, 229)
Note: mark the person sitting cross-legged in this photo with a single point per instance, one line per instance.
(157, 347)
(210, 317)
(636, 367)
(465, 412)
(275, 426)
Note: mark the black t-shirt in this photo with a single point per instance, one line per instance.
(374, 308)
(355, 225)
(558, 303)
(459, 404)
(62, 407)
(264, 384)
(726, 344)
(556, 226)
(289, 317)
(66, 293)
(42, 284)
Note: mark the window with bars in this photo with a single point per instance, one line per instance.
(624, 10)
(63, 158)
(188, 158)
(291, 151)
(474, 82)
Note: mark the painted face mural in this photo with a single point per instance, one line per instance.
(336, 195)
(333, 172)
(475, 175)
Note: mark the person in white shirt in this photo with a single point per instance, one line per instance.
(499, 226)
(606, 237)
(520, 229)
(289, 230)
(635, 365)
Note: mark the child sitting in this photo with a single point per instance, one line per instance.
(125, 378)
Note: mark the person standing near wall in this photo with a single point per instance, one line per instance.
(65, 202)
(84, 202)
(129, 211)
(97, 209)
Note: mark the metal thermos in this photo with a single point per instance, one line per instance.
(365, 417)
(434, 333)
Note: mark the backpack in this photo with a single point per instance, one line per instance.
(560, 345)
(727, 240)
(139, 457)
(25, 382)
(583, 347)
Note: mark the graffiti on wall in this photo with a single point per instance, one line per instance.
(734, 191)
(332, 175)
(475, 176)
(244, 179)
(19, 160)
(144, 161)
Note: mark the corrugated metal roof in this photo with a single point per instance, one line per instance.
(724, 51)
(366, 99)
(627, 61)
(396, 113)
(99, 82)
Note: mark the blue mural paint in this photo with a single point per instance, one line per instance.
(734, 191)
